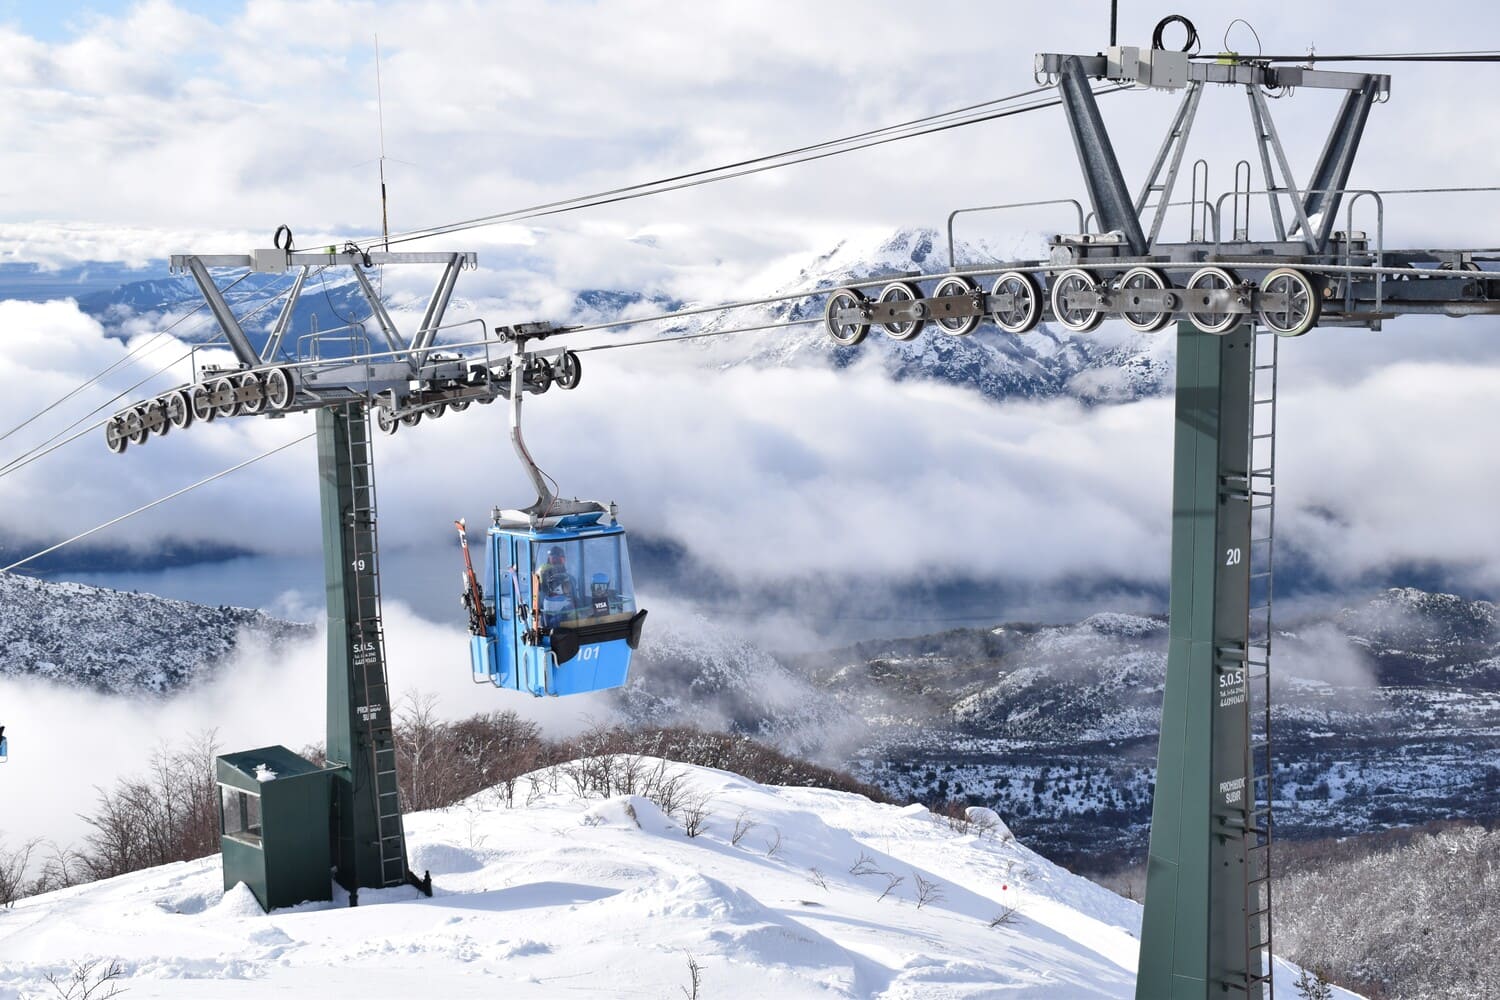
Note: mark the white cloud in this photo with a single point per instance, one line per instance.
(770, 473)
(159, 117)
(65, 742)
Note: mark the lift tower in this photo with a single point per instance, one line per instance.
(1207, 923)
(1234, 294)
(352, 388)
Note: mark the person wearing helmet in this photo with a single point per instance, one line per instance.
(554, 592)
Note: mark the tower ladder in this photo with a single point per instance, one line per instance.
(1258, 798)
(373, 717)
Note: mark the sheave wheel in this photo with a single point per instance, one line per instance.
(155, 416)
(386, 420)
(899, 293)
(1076, 317)
(1213, 279)
(179, 409)
(539, 377)
(845, 333)
(114, 435)
(225, 403)
(1024, 308)
(569, 371)
(278, 389)
(1301, 307)
(202, 399)
(1138, 317)
(254, 392)
(957, 326)
(135, 426)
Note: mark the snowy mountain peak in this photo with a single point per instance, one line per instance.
(122, 643)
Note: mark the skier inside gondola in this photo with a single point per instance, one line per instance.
(555, 592)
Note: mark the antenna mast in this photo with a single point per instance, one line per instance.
(385, 224)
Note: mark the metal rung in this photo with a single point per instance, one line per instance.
(394, 836)
(382, 774)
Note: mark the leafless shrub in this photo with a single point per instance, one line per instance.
(984, 825)
(694, 812)
(1005, 917)
(773, 845)
(669, 791)
(956, 812)
(743, 824)
(864, 866)
(439, 763)
(630, 774)
(695, 978)
(892, 881)
(928, 890)
(817, 879)
(87, 981)
(13, 865)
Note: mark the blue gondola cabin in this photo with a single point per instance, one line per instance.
(558, 613)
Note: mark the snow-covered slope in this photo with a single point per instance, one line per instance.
(569, 896)
(122, 643)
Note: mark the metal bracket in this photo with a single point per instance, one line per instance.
(233, 332)
(1101, 168)
(432, 319)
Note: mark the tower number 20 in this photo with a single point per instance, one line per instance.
(1232, 557)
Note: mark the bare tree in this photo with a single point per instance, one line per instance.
(865, 865)
(891, 882)
(695, 978)
(694, 813)
(773, 845)
(817, 879)
(13, 865)
(743, 824)
(1005, 917)
(928, 890)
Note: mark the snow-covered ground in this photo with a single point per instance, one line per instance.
(562, 895)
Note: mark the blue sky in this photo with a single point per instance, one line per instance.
(49, 21)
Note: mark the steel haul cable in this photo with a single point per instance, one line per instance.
(128, 357)
(41, 450)
(729, 171)
(157, 502)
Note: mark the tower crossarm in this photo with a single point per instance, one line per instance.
(1163, 69)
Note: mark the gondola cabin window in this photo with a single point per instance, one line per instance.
(583, 581)
(240, 813)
